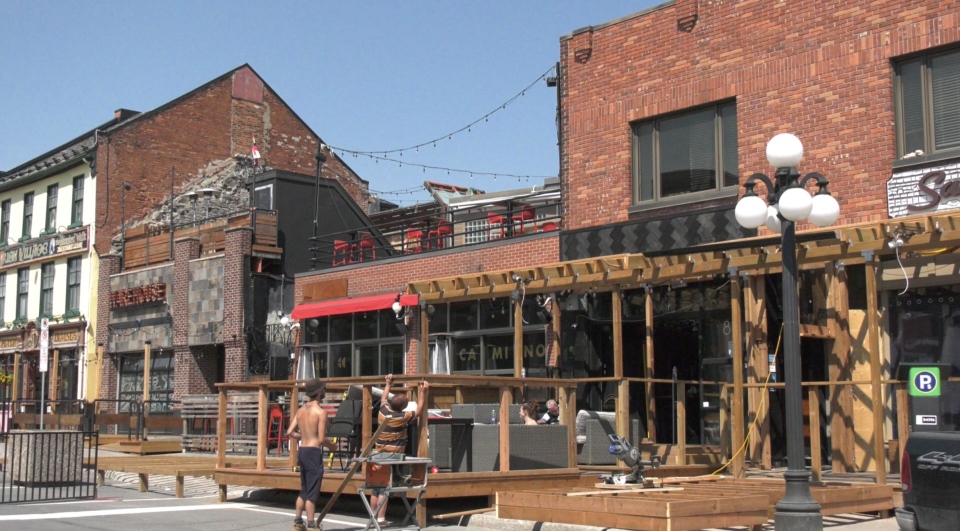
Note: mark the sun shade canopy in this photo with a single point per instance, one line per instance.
(359, 304)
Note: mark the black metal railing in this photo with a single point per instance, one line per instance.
(48, 465)
(434, 230)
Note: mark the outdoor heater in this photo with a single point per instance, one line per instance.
(789, 202)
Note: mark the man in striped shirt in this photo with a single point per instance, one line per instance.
(397, 412)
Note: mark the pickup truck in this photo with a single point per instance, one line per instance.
(930, 473)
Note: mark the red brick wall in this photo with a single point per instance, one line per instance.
(187, 373)
(109, 265)
(210, 125)
(235, 285)
(820, 70)
(393, 276)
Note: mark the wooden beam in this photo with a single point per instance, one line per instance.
(294, 408)
(517, 338)
(681, 423)
(758, 370)
(367, 416)
(567, 398)
(222, 428)
(54, 380)
(263, 428)
(903, 415)
(505, 401)
(876, 367)
(146, 382)
(648, 366)
(840, 369)
(813, 413)
(736, 402)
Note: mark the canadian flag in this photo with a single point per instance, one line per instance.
(254, 151)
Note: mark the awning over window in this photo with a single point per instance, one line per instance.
(359, 304)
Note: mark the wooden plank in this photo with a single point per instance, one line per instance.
(506, 399)
(681, 423)
(354, 467)
(321, 291)
(873, 342)
(813, 413)
(263, 427)
(736, 402)
(648, 367)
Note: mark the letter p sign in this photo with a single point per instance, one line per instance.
(924, 381)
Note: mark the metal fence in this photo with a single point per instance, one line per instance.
(48, 465)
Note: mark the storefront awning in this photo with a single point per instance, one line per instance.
(359, 304)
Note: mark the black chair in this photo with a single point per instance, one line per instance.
(346, 426)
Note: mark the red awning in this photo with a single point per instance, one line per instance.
(359, 304)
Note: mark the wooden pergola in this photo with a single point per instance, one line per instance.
(745, 261)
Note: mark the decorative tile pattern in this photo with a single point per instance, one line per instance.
(206, 301)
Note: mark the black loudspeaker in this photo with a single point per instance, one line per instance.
(402, 328)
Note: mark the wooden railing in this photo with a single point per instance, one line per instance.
(144, 247)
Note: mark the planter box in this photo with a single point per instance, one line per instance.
(43, 458)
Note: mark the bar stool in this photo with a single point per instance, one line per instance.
(367, 241)
(526, 214)
(495, 219)
(275, 422)
(345, 251)
(414, 236)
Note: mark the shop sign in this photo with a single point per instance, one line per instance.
(925, 190)
(9, 342)
(138, 295)
(66, 337)
(45, 247)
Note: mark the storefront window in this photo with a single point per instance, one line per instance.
(341, 363)
(495, 313)
(466, 354)
(341, 327)
(439, 320)
(463, 316)
(161, 381)
(498, 354)
(365, 325)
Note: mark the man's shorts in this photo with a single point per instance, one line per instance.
(311, 472)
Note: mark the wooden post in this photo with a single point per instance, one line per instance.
(555, 325)
(648, 368)
(813, 413)
(725, 445)
(458, 391)
(681, 423)
(222, 429)
(736, 402)
(517, 339)
(567, 397)
(842, 438)
(146, 386)
(876, 367)
(15, 394)
(367, 418)
(505, 399)
(424, 356)
(758, 371)
(263, 428)
(903, 415)
(623, 386)
(294, 408)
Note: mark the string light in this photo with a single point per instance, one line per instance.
(448, 136)
(455, 170)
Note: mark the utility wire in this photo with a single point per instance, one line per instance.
(448, 136)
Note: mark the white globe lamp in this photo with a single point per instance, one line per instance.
(784, 151)
(825, 210)
(751, 212)
(795, 204)
(773, 221)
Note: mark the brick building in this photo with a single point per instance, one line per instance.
(124, 184)
(664, 115)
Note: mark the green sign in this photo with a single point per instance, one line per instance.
(924, 381)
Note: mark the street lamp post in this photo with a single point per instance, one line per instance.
(789, 202)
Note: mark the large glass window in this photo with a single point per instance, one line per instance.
(23, 292)
(53, 191)
(27, 214)
(47, 272)
(361, 344)
(76, 212)
(161, 381)
(73, 283)
(693, 153)
(927, 92)
(4, 222)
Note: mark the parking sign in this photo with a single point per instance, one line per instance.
(924, 381)
(44, 344)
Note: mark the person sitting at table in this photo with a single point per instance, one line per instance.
(397, 412)
(528, 412)
(552, 416)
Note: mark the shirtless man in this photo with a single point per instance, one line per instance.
(309, 427)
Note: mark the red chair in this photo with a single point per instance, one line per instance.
(495, 219)
(275, 427)
(367, 241)
(343, 252)
(414, 236)
(549, 226)
(437, 238)
(526, 214)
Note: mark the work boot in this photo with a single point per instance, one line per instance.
(298, 525)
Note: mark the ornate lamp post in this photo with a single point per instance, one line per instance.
(789, 202)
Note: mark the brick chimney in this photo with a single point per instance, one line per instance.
(123, 114)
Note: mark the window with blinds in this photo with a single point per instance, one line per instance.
(689, 155)
(47, 274)
(927, 92)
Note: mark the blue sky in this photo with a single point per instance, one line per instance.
(365, 75)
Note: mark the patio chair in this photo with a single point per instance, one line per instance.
(346, 427)
(367, 243)
(437, 238)
(495, 219)
(414, 237)
(526, 214)
(343, 252)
